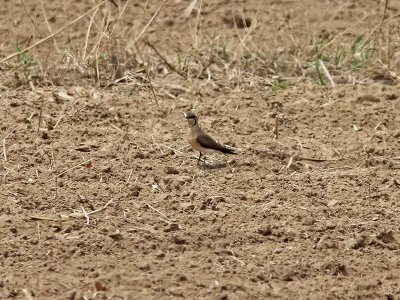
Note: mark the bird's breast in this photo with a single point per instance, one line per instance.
(191, 137)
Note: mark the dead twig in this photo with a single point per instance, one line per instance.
(87, 35)
(30, 17)
(100, 209)
(40, 114)
(63, 217)
(58, 121)
(148, 23)
(86, 215)
(148, 75)
(166, 61)
(70, 169)
(318, 159)
(157, 145)
(48, 25)
(53, 34)
(327, 74)
(4, 149)
(164, 217)
(40, 218)
(384, 13)
(28, 295)
(4, 144)
(290, 162)
(129, 176)
(115, 26)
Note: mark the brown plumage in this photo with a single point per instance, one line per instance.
(201, 141)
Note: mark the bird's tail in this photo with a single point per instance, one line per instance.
(228, 150)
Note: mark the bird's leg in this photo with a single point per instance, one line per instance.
(198, 161)
(227, 163)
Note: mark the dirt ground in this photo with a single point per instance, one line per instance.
(307, 209)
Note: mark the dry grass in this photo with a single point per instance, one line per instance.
(106, 57)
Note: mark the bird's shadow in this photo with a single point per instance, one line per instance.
(206, 165)
(215, 166)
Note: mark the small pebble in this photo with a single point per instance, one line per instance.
(308, 221)
(172, 227)
(160, 254)
(106, 169)
(171, 171)
(116, 235)
(144, 266)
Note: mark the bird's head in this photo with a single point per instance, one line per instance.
(191, 118)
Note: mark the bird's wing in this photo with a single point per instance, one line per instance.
(206, 141)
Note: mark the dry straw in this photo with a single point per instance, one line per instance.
(53, 34)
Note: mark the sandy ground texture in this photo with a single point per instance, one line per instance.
(101, 197)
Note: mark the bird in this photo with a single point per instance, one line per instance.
(201, 141)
